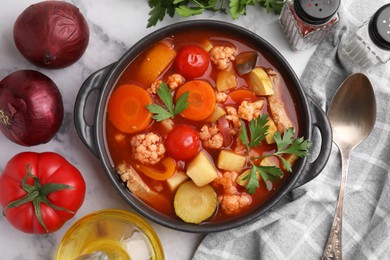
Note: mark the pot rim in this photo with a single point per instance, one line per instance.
(277, 60)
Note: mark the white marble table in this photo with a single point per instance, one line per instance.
(115, 25)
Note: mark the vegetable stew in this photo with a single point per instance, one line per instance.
(202, 127)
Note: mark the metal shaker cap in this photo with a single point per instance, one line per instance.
(316, 12)
(379, 27)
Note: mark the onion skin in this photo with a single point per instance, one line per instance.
(51, 34)
(31, 108)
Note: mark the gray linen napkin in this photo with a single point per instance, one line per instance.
(298, 227)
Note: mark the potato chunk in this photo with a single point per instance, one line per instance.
(226, 79)
(243, 180)
(219, 112)
(260, 83)
(230, 161)
(177, 179)
(201, 170)
(269, 138)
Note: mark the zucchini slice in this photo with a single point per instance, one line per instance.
(195, 204)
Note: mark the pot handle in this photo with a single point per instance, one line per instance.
(312, 169)
(84, 129)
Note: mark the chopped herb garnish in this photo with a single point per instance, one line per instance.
(187, 8)
(170, 110)
(285, 144)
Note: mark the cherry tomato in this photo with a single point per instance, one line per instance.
(192, 61)
(182, 142)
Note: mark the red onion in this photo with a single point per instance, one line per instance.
(224, 128)
(51, 34)
(31, 108)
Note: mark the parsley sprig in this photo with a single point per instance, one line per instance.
(170, 110)
(285, 144)
(186, 8)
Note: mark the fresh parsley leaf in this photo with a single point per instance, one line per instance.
(181, 103)
(244, 136)
(161, 7)
(238, 7)
(253, 181)
(289, 145)
(165, 94)
(185, 11)
(258, 130)
(159, 112)
(276, 5)
(286, 144)
(187, 8)
(299, 147)
(286, 164)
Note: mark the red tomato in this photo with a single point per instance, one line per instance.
(47, 180)
(182, 142)
(192, 61)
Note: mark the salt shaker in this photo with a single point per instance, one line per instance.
(307, 22)
(369, 45)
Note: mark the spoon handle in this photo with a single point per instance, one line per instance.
(333, 248)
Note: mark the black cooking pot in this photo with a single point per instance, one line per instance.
(104, 80)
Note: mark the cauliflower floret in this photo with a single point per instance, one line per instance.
(233, 118)
(233, 203)
(240, 148)
(211, 137)
(147, 148)
(227, 181)
(221, 97)
(249, 110)
(175, 80)
(231, 200)
(154, 86)
(222, 56)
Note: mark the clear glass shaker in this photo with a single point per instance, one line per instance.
(307, 22)
(370, 44)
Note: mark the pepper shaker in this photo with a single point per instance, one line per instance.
(369, 45)
(307, 22)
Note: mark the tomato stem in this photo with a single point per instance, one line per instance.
(37, 194)
(4, 119)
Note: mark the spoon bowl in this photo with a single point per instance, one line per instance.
(352, 115)
(352, 111)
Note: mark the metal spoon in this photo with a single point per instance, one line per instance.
(352, 115)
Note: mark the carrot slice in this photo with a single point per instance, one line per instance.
(155, 62)
(240, 95)
(127, 108)
(201, 98)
